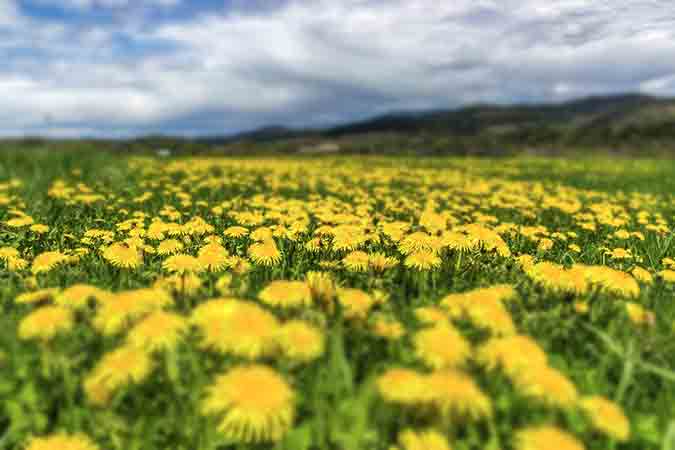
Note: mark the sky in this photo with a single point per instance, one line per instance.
(119, 68)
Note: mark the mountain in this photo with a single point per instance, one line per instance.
(616, 122)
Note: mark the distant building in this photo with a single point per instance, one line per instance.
(163, 152)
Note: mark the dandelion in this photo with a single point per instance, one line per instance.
(235, 232)
(322, 287)
(39, 228)
(639, 315)
(121, 309)
(265, 253)
(241, 328)
(187, 284)
(286, 294)
(380, 262)
(356, 261)
(158, 331)
(619, 253)
(547, 385)
(7, 253)
(431, 315)
(642, 275)
(169, 247)
(456, 396)
(422, 440)
(38, 296)
(115, 370)
(19, 222)
(214, 257)
(405, 387)
(545, 438)
(388, 328)
(606, 417)
(47, 261)
(441, 347)
(255, 403)
(355, 303)
(16, 264)
(300, 341)
(77, 296)
(422, 260)
(667, 275)
(182, 263)
(46, 322)
(512, 354)
(62, 441)
(123, 256)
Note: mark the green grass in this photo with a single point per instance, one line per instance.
(337, 404)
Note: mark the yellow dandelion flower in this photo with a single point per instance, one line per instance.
(639, 315)
(119, 310)
(16, 264)
(380, 262)
(265, 253)
(19, 222)
(255, 403)
(547, 385)
(62, 441)
(224, 283)
(170, 247)
(300, 341)
(8, 253)
(39, 228)
(115, 370)
(667, 275)
(322, 287)
(456, 396)
(422, 260)
(214, 257)
(431, 315)
(77, 296)
(235, 232)
(405, 387)
(182, 263)
(44, 262)
(607, 417)
(159, 330)
(355, 303)
(441, 346)
(388, 328)
(241, 328)
(511, 353)
(545, 438)
(356, 261)
(422, 440)
(642, 275)
(38, 296)
(610, 280)
(619, 253)
(188, 284)
(121, 255)
(286, 294)
(46, 322)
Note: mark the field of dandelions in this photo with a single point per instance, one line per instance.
(344, 303)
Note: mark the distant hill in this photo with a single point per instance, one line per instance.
(617, 121)
(631, 123)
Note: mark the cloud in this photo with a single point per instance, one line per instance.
(88, 4)
(312, 62)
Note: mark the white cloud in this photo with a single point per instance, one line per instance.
(309, 61)
(87, 4)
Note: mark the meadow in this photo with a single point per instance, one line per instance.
(344, 302)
